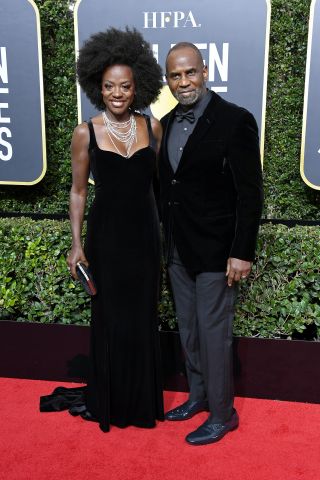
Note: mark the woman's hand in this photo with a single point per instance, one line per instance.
(76, 255)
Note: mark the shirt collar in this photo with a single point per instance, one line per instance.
(199, 107)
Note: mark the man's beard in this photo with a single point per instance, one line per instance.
(192, 98)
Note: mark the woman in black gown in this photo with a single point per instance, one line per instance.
(119, 74)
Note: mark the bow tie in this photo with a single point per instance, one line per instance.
(185, 115)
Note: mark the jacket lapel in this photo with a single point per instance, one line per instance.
(200, 130)
(166, 130)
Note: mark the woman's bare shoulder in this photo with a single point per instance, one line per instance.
(81, 130)
(81, 134)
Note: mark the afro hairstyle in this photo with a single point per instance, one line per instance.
(117, 47)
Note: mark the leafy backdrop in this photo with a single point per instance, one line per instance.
(287, 196)
(282, 300)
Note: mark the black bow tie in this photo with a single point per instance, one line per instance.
(185, 115)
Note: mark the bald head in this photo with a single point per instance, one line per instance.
(182, 46)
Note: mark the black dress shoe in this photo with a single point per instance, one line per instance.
(187, 410)
(210, 432)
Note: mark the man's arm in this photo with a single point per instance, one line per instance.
(245, 163)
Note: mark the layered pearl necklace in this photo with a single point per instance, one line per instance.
(124, 132)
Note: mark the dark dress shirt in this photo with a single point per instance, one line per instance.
(180, 131)
(177, 139)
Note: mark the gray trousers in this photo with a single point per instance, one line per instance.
(205, 311)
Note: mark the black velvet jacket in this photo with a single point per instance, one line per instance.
(211, 206)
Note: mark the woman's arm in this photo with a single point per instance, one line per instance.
(157, 131)
(78, 193)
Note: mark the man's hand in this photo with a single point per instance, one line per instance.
(237, 269)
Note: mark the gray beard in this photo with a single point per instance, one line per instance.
(192, 99)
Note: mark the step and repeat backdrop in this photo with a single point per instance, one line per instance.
(233, 38)
(22, 127)
(310, 143)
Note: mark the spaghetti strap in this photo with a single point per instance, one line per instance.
(93, 140)
(152, 138)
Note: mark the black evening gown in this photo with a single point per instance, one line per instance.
(123, 249)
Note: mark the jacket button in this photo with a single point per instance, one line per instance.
(169, 203)
(173, 182)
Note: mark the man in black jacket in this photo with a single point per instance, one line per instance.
(211, 202)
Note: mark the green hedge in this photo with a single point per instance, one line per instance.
(281, 300)
(282, 297)
(286, 194)
(35, 283)
(51, 195)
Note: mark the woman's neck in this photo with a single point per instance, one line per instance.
(123, 117)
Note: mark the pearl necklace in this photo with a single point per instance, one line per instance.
(124, 132)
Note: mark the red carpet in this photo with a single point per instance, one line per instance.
(275, 440)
